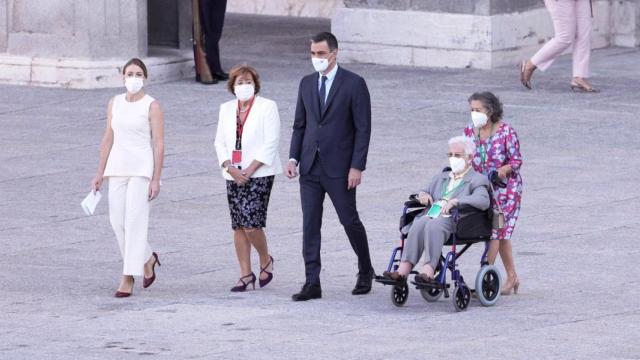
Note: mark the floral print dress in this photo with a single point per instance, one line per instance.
(503, 148)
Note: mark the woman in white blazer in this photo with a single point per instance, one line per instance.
(247, 147)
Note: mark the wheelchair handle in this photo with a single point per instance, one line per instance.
(495, 179)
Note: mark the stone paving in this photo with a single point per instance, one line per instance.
(575, 245)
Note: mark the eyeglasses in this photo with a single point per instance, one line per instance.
(455, 155)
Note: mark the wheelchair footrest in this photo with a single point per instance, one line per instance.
(439, 286)
(387, 281)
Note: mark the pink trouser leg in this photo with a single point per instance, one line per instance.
(582, 45)
(563, 14)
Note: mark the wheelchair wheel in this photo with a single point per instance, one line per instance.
(488, 285)
(461, 297)
(431, 295)
(399, 294)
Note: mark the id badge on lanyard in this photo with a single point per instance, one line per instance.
(435, 210)
(236, 158)
(236, 154)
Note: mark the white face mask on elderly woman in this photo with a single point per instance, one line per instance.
(457, 164)
(479, 119)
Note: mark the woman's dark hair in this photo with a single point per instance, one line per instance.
(137, 62)
(328, 37)
(491, 103)
(243, 69)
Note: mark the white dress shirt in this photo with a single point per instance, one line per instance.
(330, 76)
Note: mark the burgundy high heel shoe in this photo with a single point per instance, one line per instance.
(243, 287)
(147, 282)
(122, 294)
(264, 282)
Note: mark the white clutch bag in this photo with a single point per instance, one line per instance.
(90, 202)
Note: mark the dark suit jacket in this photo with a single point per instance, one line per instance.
(340, 134)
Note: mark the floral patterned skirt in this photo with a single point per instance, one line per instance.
(248, 203)
(509, 199)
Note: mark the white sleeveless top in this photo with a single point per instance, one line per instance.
(131, 153)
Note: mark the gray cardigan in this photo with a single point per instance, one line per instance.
(473, 192)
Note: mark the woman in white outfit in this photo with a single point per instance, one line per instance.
(131, 155)
(247, 147)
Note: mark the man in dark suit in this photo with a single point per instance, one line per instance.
(212, 18)
(329, 146)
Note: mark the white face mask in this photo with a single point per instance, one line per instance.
(244, 92)
(479, 119)
(133, 84)
(457, 164)
(320, 64)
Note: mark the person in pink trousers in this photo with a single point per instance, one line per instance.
(572, 23)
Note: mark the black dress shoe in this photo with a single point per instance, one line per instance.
(222, 76)
(308, 292)
(363, 285)
(213, 81)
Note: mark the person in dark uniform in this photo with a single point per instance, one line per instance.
(212, 20)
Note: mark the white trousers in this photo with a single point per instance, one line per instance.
(572, 24)
(129, 216)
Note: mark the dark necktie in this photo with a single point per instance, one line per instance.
(323, 92)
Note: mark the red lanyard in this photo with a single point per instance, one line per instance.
(240, 124)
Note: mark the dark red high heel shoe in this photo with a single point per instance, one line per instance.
(243, 287)
(264, 282)
(147, 282)
(122, 294)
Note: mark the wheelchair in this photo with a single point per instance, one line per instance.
(474, 227)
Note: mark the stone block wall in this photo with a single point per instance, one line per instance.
(84, 43)
(625, 24)
(465, 33)
(303, 8)
(73, 28)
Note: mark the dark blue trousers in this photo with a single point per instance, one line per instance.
(313, 187)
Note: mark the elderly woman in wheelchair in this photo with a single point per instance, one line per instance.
(453, 198)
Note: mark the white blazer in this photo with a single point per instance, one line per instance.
(260, 137)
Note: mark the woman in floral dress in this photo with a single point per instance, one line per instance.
(498, 149)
